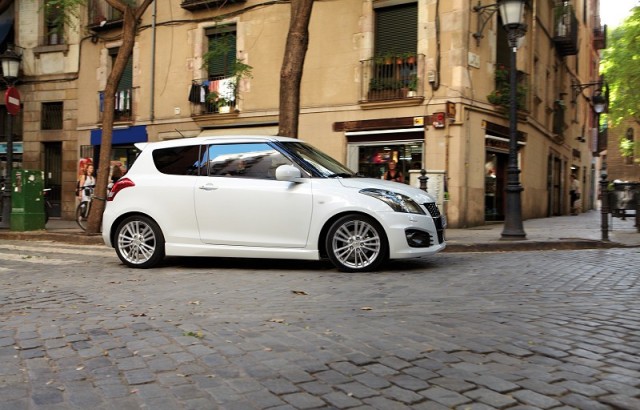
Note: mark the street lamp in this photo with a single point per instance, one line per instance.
(10, 62)
(512, 13)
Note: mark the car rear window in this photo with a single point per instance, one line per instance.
(178, 160)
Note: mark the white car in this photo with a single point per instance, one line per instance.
(263, 197)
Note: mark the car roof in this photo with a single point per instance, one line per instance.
(214, 140)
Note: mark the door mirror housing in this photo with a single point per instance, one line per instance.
(288, 173)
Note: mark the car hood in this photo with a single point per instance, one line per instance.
(416, 194)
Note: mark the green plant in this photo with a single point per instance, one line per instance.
(626, 146)
(413, 83)
(501, 95)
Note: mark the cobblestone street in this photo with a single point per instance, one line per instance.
(518, 330)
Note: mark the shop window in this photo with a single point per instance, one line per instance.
(51, 116)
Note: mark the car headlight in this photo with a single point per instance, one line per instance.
(397, 202)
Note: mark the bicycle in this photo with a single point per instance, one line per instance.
(82, 211)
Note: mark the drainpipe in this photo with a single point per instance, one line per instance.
(153, 62)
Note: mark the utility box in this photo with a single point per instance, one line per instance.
(27, 200)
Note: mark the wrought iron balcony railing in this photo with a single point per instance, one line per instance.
(392, 77)
(565, 30)
(192, 5)
(123, 111)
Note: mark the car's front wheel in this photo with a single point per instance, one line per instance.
(139, 242)
(356, 243)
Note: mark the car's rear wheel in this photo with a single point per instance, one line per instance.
(356, 243)
(139, 242)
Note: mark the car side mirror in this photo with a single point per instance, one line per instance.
(288, 173)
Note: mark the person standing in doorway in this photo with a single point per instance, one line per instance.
(574, 194)
(392, 173)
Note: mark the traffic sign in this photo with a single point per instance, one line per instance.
(12, 100)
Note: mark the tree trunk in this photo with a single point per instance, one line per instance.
(131, 19)
(292, 66)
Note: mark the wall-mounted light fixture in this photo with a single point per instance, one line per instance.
(510, 10)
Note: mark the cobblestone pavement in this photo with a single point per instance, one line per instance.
(517, 330)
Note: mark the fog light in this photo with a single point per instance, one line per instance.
(418, 239)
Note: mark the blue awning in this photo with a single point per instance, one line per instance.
(130, 135)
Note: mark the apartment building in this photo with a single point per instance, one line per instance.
(420, 82)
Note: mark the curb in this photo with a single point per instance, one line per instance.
(81, 238)
(506, 246)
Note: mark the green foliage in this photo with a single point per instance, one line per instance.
(59, 13)
(621, 67)
(501, 95)
(626, 146)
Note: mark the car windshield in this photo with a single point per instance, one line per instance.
(319, 162)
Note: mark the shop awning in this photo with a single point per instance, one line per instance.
(129, 135)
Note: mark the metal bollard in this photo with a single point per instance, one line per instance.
(423, 178)
(604, 207)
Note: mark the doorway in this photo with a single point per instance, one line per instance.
(53, 176)
(495, 177)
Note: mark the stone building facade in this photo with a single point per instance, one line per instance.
(421, 82)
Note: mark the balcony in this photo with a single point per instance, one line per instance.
(565, 30)
(194, 5)
(216, 96)
(104, 17)
(599, 35)
(392, 78)
(501, 96)
(123, 111)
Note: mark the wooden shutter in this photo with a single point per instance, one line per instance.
(222, 50)
(396, 29)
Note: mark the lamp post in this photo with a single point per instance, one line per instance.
(10, 62)
(512, 13)
(599, 105)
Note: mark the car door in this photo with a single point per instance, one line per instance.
(241, 203)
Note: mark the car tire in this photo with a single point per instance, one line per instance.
(139, 242)
(356, 243)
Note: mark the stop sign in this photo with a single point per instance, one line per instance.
(12, 100)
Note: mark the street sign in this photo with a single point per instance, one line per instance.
(12, 100)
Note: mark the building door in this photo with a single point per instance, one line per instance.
(495, 179)
(554, 177)
(53, 176)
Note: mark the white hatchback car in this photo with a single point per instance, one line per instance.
(263, 197)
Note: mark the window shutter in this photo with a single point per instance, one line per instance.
(397, 29)
(126, 81)
(222, 47)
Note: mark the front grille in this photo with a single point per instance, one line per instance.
(433, 209)
(437, 219)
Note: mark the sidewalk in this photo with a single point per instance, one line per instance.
(561, 232)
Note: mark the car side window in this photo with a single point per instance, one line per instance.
(178, 160)
(248, 160)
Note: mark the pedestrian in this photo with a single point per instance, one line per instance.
(87, 183)
(574, 194)
(116, 173)
(392, 173)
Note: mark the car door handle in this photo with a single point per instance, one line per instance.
(208, 187)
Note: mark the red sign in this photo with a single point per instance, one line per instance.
(12, 100)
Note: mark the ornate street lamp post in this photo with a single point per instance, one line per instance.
(512, 13)
(10, 62)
